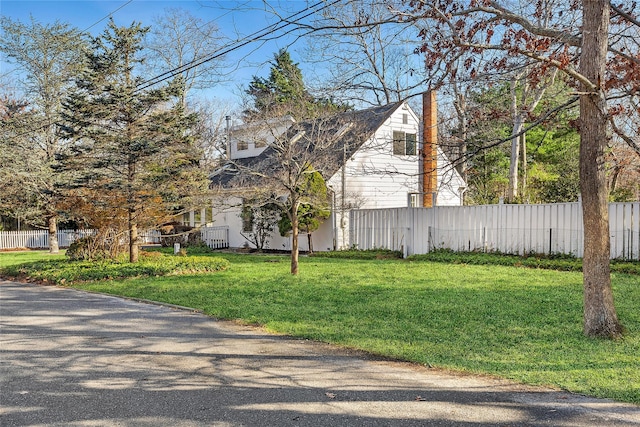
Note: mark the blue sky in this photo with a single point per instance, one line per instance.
(234, 18)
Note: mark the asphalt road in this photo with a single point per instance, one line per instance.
(70, 358)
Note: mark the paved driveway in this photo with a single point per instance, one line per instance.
(70, 358)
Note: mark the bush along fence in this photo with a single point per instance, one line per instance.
(513, 229)
(214, 237)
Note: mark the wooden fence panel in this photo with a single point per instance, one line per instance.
(215, 237)
(625, 230)
(517, 229)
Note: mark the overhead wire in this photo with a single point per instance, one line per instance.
(253, 37)
(105, 17)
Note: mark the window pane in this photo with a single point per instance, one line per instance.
(398, 143)
(247, 219)
(411, 144)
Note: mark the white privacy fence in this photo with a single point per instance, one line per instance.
(516, 229)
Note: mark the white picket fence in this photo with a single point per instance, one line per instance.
(39, 239)
(215, 237)
(516, 229)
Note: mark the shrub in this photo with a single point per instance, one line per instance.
(560, 262)
(361, 254)
(86, 248)
(150, 264)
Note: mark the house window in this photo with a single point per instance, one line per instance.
(261, 143)
(247, 219)
(243, 145)
(404, 144)
(411, 144)
(405, 119)
(398, 142)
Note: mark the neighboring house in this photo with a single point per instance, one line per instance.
(375, 162)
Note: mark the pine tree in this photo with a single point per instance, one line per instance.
(50, 56)
(284, 93)
(133, 156)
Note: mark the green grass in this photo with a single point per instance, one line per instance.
(18, 257)
(519, 323)
(58, 270)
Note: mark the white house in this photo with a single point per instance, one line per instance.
(378, 162)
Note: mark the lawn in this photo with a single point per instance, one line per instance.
(517, 323)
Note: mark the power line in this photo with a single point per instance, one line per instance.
(105, 17)
(256, 36)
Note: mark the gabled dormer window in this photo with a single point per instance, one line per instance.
(404, 144)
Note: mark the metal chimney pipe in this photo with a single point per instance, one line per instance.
(228, 144)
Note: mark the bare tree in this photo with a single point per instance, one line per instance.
(283, 173)
(178, 39)
(211, 130)
(578, 42)
(368, 64)
(525, 97)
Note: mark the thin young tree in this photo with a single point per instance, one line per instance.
(283, 174)
(280, 175)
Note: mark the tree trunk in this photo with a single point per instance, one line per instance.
(460, 105)
(523, 149)
(600, 319)
(52, 225)
(133, 239)
(294, 239)
(518, 124)
(309, 241)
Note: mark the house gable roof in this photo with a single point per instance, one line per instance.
(347, 132)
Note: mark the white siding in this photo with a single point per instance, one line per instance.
(228, 213)
(375, 177)
(266, 133)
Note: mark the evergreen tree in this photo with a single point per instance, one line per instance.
(284, 93)
(50, 56)
(548, 168)
(133, 156)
